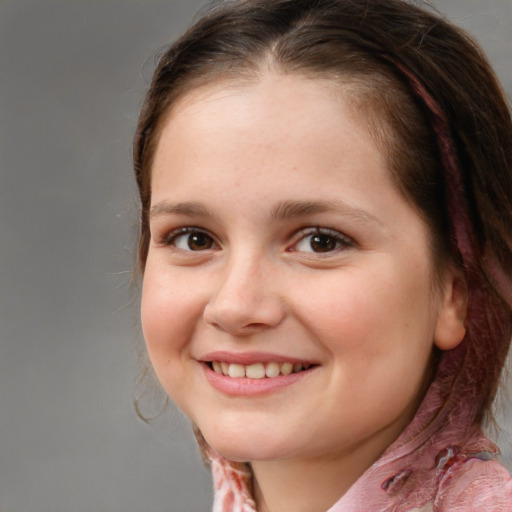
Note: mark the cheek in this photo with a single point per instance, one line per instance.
(349, 308)
(372, 319)
(379, 346)
(169, 311)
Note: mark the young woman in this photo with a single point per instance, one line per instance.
(326, 251)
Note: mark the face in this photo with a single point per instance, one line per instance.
(288, 305)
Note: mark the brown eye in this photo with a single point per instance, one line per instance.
(199, 241)
(323, 243)
(191, 240)
(322, 240)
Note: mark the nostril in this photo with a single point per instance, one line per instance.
(256, 326)
(244, 314)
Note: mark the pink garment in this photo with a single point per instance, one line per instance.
(455, 478)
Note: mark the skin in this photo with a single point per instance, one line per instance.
(250, 157)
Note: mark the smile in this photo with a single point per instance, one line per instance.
(257, 370)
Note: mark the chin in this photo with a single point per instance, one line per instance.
(245, 446)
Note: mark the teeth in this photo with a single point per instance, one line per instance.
(257, 370)
(286, 368)
(272, 370)
(236, 370)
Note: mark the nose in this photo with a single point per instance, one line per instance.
(246, 299)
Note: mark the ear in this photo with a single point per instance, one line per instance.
(450, 329)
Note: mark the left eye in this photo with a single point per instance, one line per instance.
(321, 242)
(193, 241)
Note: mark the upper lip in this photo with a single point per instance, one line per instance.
(247, 358)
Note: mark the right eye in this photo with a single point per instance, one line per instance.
(191, 239)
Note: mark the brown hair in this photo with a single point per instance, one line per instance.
(432, 103)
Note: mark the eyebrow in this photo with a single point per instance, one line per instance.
(291, 209)
(282, 211)
(189, 208)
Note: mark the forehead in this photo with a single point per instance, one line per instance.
(277, 110)
(322, 94)
(283, 139)
(267, 91)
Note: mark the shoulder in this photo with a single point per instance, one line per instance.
(475, 485)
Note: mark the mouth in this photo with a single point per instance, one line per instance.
(257, 370)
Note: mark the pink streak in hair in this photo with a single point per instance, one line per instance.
(465, 374)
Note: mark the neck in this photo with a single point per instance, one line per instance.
(306, 485)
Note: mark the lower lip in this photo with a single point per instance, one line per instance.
(243, 386)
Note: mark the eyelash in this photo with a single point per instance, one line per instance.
(340, 240)
(170, 238)
(332, 236)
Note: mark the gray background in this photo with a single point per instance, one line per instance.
(72, 76)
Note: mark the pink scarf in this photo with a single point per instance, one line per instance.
(426, 469)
